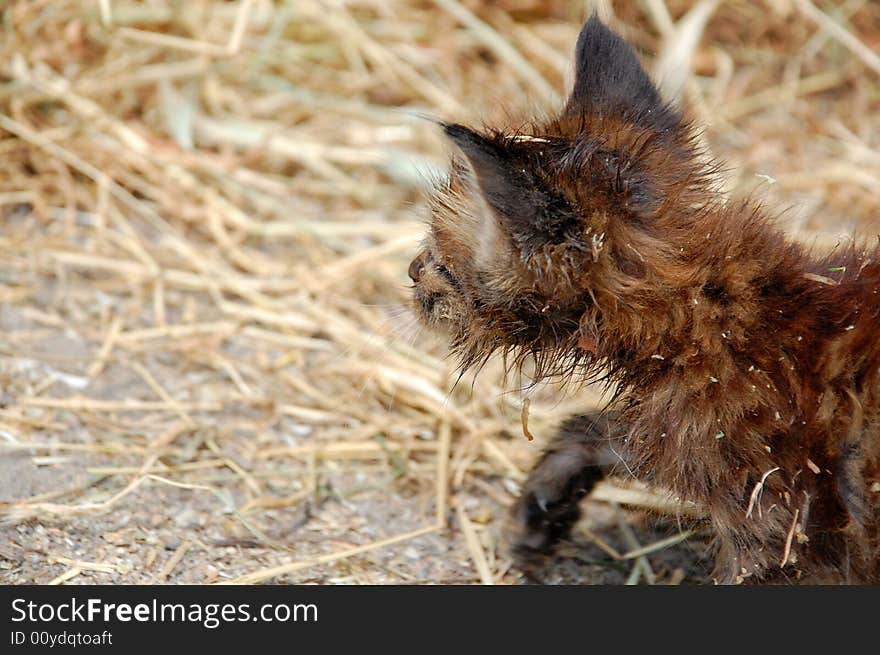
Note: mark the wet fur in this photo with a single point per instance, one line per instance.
(596, 244)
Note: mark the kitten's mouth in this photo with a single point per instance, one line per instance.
(430, 308)
(426, 301)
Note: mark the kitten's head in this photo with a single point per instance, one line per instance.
(536, 236)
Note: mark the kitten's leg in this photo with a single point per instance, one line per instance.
(862, 530)
(851, 485)
(567, 471)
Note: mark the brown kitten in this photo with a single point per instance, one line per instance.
(747, 370)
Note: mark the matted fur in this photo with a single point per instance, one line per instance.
(746, 369)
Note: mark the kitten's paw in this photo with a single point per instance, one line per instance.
(548, 506)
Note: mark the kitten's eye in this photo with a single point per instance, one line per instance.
(445, 272)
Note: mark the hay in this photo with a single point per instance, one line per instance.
(207, 212)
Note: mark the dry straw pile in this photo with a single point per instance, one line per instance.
(207, 369)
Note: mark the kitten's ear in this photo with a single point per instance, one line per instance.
(610, 81)
(526, 210)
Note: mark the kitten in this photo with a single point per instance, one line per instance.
(746, 370)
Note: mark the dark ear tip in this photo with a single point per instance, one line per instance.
(594, 21)
(459, 134)
(595, 29)
(471, 143)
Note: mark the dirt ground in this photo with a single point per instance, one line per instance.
(208, 369)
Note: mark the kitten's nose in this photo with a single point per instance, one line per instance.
(416, 267)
